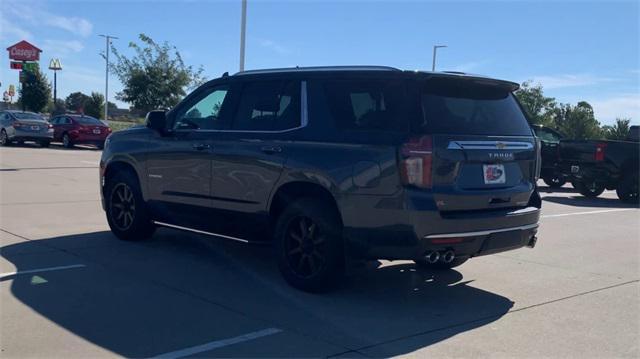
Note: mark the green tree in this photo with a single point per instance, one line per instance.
(94, 105)
(539, 108)
(619, 131)
(76, 101)
(57, 108)
(577, 122)
(35, 91)
(155, 77)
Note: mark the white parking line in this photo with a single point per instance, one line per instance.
(90, 162)
(9, 274)
(219, 343)
(588, 212)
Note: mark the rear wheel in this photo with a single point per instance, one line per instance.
(4, 139)
(591, 189)
(127, 213)
(440, 265)
(66, 141)
(310, 246)
(627, 189)
(554, 182)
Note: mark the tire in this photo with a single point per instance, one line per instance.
(127, 213)
(309, 245)
(66, 141)
(4, 139)
(627, 189)
(100, 146)
(554, 182)
(590, 189)
(440, 265)
(45, 144)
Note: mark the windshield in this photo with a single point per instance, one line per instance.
(471, 109)
(86, 120)
(27, 116)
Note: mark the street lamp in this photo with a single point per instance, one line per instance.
(108, 39)
(435, 48)
(243, 30)
(55, 65)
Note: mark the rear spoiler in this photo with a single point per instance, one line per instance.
(477, 79)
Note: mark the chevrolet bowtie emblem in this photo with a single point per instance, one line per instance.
(500, 145)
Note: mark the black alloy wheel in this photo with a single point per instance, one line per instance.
(305, 247)
(123, 206)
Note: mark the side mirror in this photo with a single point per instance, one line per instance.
(157, 120)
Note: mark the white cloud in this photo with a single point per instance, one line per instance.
(624, 105)
(76, 25)
(10, 32)
(35, 14)
(60, 48)
(272, 45)
(569, 80)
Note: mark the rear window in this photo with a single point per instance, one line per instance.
(464, 107)
(367, 105)
(86, 120)
(27, 116)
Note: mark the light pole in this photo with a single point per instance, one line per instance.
(55, 66)
(243, 30)
(106, 77)
(435, 48)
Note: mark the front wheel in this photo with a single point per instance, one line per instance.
(309, 244)
(127, 213)
(627, 189)
(590, 189)
(4, 138)
(554, 182)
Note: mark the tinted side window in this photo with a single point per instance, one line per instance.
(546, 135)
(204, 113)
(268, 106)
(367, 104)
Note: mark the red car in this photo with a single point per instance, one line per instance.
(76, 129)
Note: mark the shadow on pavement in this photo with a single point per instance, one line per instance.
(565, 189)
(581, 201)
(140, 299)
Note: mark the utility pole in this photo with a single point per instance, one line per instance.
(55, 66)
(435, 48)
(108, 39)
(243, 30)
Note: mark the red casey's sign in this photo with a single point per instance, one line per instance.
(24, 51)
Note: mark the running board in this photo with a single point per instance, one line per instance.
(187, 229)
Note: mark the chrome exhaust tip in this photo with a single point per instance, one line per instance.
(448, 256)
(432, 257)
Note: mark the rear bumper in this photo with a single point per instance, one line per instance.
(20, 135)
(402, 233)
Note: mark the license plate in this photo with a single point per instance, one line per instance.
(96, 131)
(494, 174)
(35, 128)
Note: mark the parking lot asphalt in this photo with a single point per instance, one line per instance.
(68, 288)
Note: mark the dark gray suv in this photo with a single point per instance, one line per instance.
(334, 163)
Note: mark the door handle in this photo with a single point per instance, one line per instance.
(201, 146)
(271, 149)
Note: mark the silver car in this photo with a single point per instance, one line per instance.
(19, 126)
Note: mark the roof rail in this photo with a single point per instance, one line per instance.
(318, 68)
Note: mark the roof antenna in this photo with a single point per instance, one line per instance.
(225, 74)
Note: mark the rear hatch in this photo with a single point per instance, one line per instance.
(483, 154)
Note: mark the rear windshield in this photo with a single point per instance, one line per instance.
(86, 120)
(27, 116)
(464, 107)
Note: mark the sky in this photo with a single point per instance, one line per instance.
(578, 51)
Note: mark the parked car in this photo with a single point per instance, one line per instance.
(21, 126)
(334, 163)
(79, 129)
(596, 165)
(549, 171)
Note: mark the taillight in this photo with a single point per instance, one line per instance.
(49, 126)
(599, 155)
(416, 161)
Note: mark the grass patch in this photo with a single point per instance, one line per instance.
(123, 125)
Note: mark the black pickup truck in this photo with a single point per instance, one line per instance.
(595, 165)
(549, 142)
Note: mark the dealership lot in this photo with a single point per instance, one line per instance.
(69, 288)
